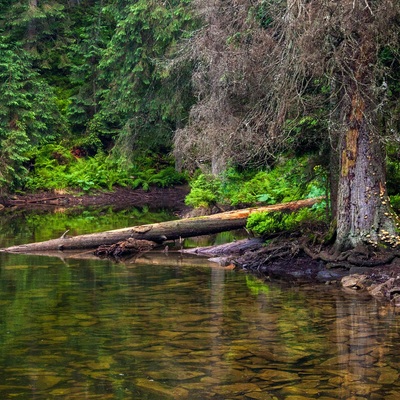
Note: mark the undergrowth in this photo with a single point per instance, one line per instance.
(291, 179)
(264, 223)
(56, 167)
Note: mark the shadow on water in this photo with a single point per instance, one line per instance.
(90, 328)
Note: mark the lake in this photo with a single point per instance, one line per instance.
(168, 326)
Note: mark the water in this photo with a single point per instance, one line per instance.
(171, 327)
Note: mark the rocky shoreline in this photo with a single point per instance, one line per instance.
(283, 261)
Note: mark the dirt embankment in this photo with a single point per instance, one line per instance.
(173, 198)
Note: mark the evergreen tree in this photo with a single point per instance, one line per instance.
(28, 113)
(37, 26)
(92, 30)
(141, 99)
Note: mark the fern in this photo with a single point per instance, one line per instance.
(291, 179)
(268, 223)
(205, 191)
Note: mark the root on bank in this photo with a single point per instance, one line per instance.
(292, 259)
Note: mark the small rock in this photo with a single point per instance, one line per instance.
(381, 290)
(354, 282)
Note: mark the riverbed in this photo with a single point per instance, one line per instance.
(173, 326)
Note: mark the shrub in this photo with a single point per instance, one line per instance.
(267, 223)
(54, 167)
(291, 179)
(205, 191)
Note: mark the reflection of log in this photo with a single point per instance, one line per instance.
(160, 232)
(153, 258)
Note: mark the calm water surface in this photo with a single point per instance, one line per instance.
(176, 328)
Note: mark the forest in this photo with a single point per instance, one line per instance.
(248, 101)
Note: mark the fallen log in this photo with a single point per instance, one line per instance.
(160, 232)
(227, 249)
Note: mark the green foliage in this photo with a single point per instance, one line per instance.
(294, 179)
(393, 171)
(105, 68)
(56, 168)
(389, 57)
(163, 178)
(142, 98)
(93, 30)
(395, 203)
(205, 190)
(28, 113)
(305, 134)
(261, 14)
(291, 179)
(268, 223)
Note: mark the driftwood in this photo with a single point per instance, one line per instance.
(160, 232)
(126, 247)
(227, 249)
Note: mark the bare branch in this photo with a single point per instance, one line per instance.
(253, 74)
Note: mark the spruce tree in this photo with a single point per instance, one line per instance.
(28, 113)
(141, 100)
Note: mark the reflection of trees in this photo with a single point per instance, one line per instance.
(338, 349)
(24, 226)
(360, 335)
(45, 334)
(156, 331)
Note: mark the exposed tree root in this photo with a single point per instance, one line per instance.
(292, 259)
(361, 256)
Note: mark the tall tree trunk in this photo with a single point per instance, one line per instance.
(32, 27)
(363, 211)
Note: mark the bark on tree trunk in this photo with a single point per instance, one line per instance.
(163, 231)
(362, 193)
(363, 210)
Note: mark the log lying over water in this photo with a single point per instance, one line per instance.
(160, 232)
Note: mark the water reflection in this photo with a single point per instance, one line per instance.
(94, 329)
(168, 329)
(26, 226)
